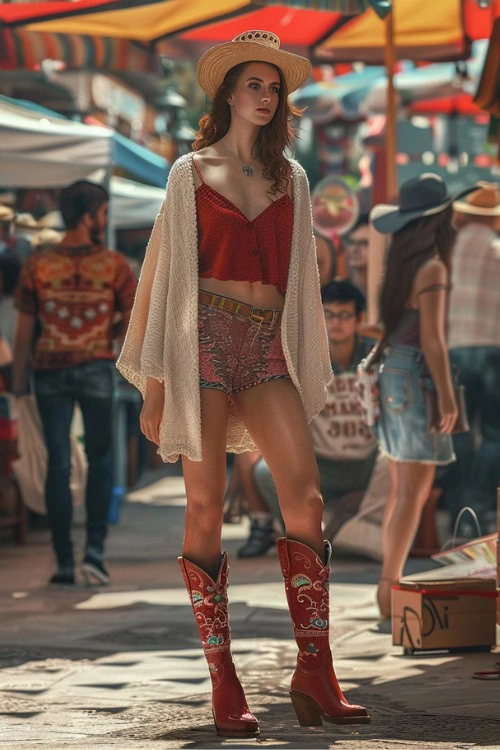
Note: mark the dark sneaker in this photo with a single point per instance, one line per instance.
(64, 576)
(260, 540)
(93, 571)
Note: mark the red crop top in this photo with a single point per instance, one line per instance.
(232, 248)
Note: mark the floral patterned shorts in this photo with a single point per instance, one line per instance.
(237, 352)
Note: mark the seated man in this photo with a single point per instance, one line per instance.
(354, 478)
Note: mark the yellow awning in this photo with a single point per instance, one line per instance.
(154, 20)
(144, 23)
(423, 29)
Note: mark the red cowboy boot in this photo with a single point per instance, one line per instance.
(231, 714)
(315, 692)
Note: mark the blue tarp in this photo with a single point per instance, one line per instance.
(139, 161)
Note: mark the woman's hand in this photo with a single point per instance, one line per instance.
(152, 410)
(448, 412)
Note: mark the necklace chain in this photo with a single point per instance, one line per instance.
(247, 169)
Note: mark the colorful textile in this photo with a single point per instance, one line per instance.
(474, 313)
(75, 293)
(237, 353)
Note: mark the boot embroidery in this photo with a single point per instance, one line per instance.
(316, 606)
(301, 580)
(311, 649)
(210, 607)
(196, 598)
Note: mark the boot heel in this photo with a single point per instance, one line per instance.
(307, 711)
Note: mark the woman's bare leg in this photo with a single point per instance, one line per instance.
(274, 416)
(205, 482)
(413, 484)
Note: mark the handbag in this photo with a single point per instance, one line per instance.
(367, 376)
(434, 416)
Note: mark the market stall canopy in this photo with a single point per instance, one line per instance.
(150, 20)
(364, 92)
(454, 104)
(139, 161)
(134, 205)
(415, 85)
(49, 151)
(423, 30)
(21, 49)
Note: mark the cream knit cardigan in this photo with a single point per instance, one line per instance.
(162, 337)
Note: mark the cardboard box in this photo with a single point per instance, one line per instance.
(444, 614)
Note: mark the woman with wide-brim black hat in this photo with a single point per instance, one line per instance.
(415, 357)
(227, 341)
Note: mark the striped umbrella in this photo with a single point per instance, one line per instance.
(21, 49)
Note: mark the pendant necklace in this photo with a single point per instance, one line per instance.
(247, 169)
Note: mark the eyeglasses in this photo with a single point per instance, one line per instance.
(344, 315)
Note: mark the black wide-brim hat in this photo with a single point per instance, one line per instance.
(421, 196)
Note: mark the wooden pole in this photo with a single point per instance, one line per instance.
(390, 126)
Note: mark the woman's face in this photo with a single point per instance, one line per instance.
(256, 95)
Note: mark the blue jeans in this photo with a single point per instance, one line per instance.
(91, 385)
(476, 475)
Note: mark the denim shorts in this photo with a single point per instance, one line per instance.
(402, 429)
(236, 352)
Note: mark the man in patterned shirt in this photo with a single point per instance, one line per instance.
(76, 291)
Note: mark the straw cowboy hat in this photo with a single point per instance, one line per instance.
(424, 195)
(46, 238)
(251, 46)
(6, 213)
(26, 221)
(52, 220)
(482, 202)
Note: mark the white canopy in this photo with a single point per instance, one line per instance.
(62, 150)
(133, 205)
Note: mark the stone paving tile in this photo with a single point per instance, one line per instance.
(121, 668)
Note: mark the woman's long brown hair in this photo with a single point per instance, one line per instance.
(410, 248)
(273, 138)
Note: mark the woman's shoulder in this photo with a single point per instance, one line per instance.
(297, 169)
(181, 166)
(433, 271)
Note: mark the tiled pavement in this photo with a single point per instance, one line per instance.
(113, 668)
